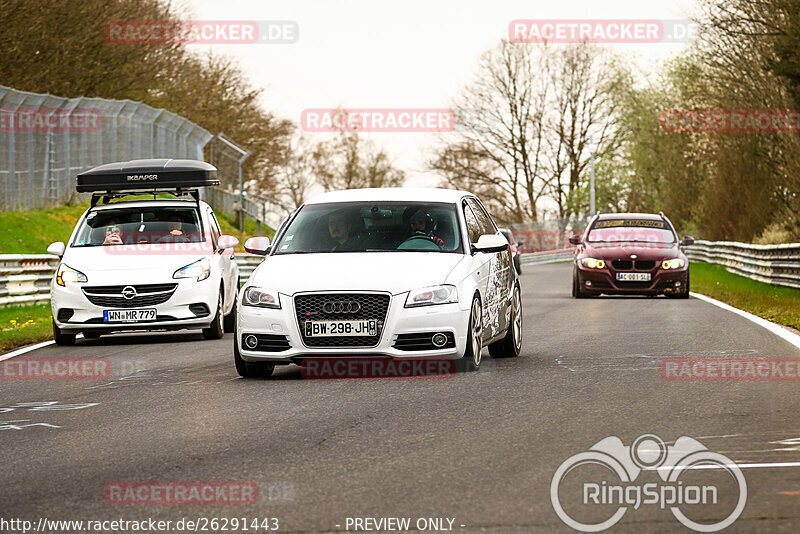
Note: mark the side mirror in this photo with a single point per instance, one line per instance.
(490, 243)
(520, 243)
(257, 245)
(57, 248)
(226, 241)
(687, 240)
(574, 239)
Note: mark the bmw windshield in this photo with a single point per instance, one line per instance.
(372, 227)
(631, 231)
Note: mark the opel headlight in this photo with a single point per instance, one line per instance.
(593, 263)
(200, 269)
(68, 274)
(427, 296)
(260, 297)
(677, 263)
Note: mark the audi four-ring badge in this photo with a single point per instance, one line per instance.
(157, 264)
(394, 272)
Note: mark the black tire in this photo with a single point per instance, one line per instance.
(511, 345)
(471, 361)
(61, 337)
(249, 369)
(576, 285)
(518, 264)
(216, 329)
(91, 335)
(229, 323)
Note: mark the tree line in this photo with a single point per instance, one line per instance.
(534, 113)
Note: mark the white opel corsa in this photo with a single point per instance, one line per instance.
(145, 264)
(394, 272)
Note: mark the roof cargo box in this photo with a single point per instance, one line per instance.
(147, 175)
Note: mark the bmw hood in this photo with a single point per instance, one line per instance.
(644, 251)
(395, 272)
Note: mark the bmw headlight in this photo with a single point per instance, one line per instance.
(427, 296)
(68, 274)
(593, 263)
(677, 263)
(200, 269)
(260, 297)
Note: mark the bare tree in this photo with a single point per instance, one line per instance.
(525, 123)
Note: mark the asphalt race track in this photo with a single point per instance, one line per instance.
(480, 448)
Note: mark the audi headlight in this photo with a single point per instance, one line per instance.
(677, 263)
(427, 296)
(260, 297)
(68, 274)
(200, 269)
(593, 263)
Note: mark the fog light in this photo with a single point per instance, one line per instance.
(250, 341)
(588, 283)
(439, 340)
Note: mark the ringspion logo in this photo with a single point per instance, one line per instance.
(603, 484)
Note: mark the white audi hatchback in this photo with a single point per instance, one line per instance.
(395, 272)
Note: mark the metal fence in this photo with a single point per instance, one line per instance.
(774, 264)
(258, 208)
(46, 140)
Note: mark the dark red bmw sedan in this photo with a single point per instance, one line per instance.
(630, 253)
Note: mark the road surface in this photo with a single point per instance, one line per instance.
(479, 448)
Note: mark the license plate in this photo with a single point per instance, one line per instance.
(129, 316)
(364, 327)
(633, 277)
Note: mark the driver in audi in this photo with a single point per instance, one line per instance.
(421, 230)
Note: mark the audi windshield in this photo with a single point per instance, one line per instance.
(372, 227)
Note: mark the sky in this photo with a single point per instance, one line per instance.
(410, 54)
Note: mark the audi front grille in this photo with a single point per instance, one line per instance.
(146, 295)
(341, 306)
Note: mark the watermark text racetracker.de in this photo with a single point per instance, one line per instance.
(53, 120)
(730, 369)
(730, 121)
(193, 524)
(601, 31)
(159, 32)
(334, 120)
(704, 490)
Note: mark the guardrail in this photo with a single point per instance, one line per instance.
(25, 278)
(774, 264)
(547, 256)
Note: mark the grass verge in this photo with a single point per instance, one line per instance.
(31, 232)
(774, 303)
(21, 325)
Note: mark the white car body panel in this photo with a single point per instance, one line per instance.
(132, 265)
(393, 273)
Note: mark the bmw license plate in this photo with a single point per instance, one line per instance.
(363, 327)
(129, 316)
(633, 277)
